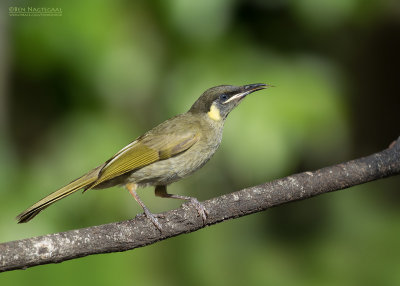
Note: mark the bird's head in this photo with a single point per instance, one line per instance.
(218, 101)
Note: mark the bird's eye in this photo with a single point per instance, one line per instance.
(223, 97)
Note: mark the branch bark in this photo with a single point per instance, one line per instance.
(138, 232)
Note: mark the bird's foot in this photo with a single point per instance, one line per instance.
(132, 189)
(199, 207)
(152, 217)
(161, 191)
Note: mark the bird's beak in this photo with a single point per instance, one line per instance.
(245, 90)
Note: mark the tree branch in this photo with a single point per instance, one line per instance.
(138, 232)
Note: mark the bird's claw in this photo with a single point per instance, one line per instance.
(200, 208)
(152, 217)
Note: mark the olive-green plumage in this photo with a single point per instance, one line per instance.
(167, 153)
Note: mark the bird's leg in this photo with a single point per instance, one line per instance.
(161, 191)
(131, 187)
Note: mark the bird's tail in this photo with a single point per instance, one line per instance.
(83, 182)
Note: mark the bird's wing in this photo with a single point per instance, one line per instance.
(144, 151)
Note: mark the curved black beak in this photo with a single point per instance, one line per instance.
(245, 90)
(254, 87)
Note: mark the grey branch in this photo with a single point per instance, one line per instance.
(138, 232)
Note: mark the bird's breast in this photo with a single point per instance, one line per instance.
(170, 170)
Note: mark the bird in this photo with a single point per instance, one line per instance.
(173, 150)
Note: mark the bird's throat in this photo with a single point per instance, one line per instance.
(214, 113)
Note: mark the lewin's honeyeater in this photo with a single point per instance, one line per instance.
(167, 153)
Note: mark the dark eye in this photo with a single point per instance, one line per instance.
(223, 97)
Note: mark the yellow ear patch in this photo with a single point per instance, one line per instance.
(214, 113)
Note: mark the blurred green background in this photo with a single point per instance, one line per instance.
(75, 89)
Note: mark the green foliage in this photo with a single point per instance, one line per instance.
(87, 83)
